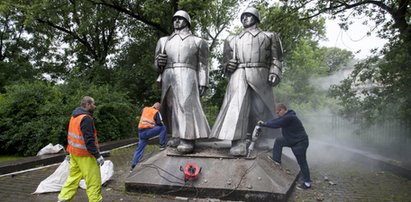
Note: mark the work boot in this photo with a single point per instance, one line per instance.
(238, 148)
(185, 146)
(304, 186)
(174, 142)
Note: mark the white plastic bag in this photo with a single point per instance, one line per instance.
(107, 170)
(55, 181)
(50, 149)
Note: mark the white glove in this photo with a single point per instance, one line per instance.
(100, 161)
(67, 158)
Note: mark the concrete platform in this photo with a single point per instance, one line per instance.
(221, 176)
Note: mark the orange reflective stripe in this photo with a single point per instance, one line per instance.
(76, 144)
(147, 118)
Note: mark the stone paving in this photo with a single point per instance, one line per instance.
(336, 177)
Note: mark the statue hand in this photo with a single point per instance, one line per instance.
(232, 65)
(202, 90)
(161, 61)
(273, 79)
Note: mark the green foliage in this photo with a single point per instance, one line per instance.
(135, 73)
(378, 89)
(35, 114)
(30, 118)
(281, 19)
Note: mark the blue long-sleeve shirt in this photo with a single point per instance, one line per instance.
(292, 129)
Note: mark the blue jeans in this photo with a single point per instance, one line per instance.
(144, 136)
(299, 150)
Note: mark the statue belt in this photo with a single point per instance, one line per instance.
(180, 65)
(252, 65)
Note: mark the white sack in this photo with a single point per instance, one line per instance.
(55, 181)
(50, 149)
(107, 170)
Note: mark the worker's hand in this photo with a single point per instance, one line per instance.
(202, 90)
(161, 61)
(260, 123)
(67, 158)
(273, 79)
(231, 66)
(100, 161)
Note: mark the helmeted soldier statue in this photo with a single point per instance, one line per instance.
(182, 59)
(253, 61)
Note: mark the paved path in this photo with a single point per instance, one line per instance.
(336, 176)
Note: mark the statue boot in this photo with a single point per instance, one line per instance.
(185, 146)
(238, 148)
(174, 142)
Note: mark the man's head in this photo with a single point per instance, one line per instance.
(88, 103)
(181, 19)
(250, 17)
(280, 109)
(157, 106)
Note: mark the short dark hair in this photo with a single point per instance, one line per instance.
(281, 106)
(86, 100)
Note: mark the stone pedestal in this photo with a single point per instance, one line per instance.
(222, 176)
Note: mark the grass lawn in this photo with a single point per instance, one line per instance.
(9, 158)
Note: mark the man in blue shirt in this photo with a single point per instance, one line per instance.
(293, 136)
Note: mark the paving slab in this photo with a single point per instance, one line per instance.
(337, 175)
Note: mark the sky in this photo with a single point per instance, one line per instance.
(355, 39)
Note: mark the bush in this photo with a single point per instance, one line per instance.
(37, 113)
(30, 118)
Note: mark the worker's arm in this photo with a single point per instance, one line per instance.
(87, 128)
(275, 123)
(158, 119)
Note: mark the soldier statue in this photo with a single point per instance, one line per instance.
(253, 61)
(182, 59)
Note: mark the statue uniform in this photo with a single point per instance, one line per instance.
(185, 71)
(249, 96)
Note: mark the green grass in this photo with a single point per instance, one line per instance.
(9, 158)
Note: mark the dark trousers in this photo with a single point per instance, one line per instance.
(143, 140)
(299, 149)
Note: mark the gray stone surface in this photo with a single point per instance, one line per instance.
(222, 177)
(352, 180)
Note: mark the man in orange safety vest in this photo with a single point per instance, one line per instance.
(85, 157)
(150, 125)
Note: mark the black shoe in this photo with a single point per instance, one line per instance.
(163, 147)
(303, 186)
(275, 162)
(132, 168)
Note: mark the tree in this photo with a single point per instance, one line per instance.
(380, 82)
(377, 11)
(33, 114)
(15, 48)
(377, 89)
(302, 56)
(335, 58)
(73, 36)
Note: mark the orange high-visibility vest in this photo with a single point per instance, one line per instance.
(76, 144)
(147, 118)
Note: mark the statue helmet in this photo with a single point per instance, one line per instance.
(184, 15)
(253, 11)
